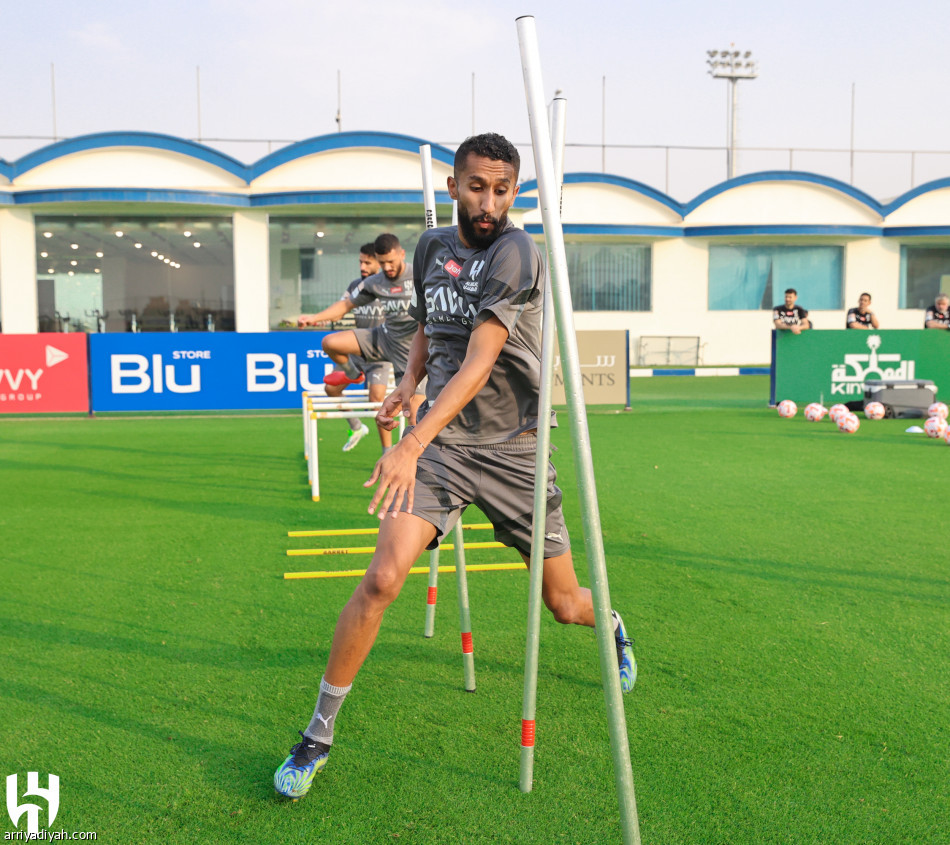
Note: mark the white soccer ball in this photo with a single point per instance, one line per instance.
(946, 436)
(848, 423)
(874, 411)
(838, 411)
(787, 408)
(935, 427)
(815, 412)
(938, 409)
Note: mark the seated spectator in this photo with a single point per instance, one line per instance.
(862, 317)
(790, 317)
(938, 314)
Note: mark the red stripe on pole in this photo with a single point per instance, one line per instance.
(431, 597)
(467, 647)
(527, 733)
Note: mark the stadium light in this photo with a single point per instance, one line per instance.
(732, 65)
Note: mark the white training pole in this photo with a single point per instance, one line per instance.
(548, 195)
(548, 343)
(428, 188)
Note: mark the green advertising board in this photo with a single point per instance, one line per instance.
(833, 365)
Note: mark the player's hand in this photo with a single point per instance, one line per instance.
(796, 330)
(306, 320)
(396, 473)
(399, 400)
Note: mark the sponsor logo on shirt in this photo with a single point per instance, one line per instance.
(453, 268)
(397, 289)
(470, 286)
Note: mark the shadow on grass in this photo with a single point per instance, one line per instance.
(807, 574)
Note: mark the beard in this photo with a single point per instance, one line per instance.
(481, 240)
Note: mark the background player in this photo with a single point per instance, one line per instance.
(376, 373)
(389, 341)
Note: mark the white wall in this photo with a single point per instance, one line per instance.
(18, 301)
(251, 286)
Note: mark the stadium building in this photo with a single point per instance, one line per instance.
(139, 232)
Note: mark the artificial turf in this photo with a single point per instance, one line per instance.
(787, 586)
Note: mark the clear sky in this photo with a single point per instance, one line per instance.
(269, 70)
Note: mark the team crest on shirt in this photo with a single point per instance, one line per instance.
(453, 268)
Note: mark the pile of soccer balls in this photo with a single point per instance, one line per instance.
(848, 422)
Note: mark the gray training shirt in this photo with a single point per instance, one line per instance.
(367, 316)
(393, 295)
(456, 289)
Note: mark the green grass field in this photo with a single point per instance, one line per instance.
(788, 587)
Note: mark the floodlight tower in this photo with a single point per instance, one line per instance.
(733, 65)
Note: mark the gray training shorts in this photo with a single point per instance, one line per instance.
(498, 478)
(376, 372)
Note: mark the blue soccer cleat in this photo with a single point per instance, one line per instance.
(295, 776)
(626, 662)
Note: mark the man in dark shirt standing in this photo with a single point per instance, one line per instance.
(790, 317)
(938, 314)
(862, 317)
(477, 297)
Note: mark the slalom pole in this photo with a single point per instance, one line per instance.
(465, 619)
(580, 435)
(548, 342)
(432, 591)
(428, 197)
(428, 200)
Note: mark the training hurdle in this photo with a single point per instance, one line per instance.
(317, 406)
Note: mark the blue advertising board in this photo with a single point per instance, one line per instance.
(206, 371)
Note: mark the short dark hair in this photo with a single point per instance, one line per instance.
(792, 290)
(368, 249)
(867, 295)
(385, 244)
(488, 145)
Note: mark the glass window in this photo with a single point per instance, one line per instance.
(925, 272)
(609, 276)
(120, 274)
(753, 277)
(313, 259)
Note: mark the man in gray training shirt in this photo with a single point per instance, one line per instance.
(477, 294)
(367, 316)
(391, 287)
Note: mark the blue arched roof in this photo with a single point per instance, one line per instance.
(200, 152)
(784, 176)
(152, 140)
(619, 181)
(347, 140)
(913, 193)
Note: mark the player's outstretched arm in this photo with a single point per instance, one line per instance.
(337, 311)
(396, 470)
